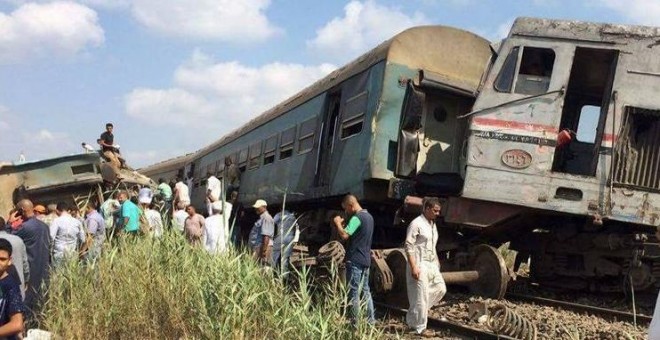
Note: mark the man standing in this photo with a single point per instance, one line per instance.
(165, 193)
(34, 234)
(129, 214)
(40, 213)
(107, 141)
(179, 219)
(193, 226)
(214, 236)
(95, 232)
(283, 243)
(262, 233)
(67, 234)
(181, 194)
(19, 258)
(358, 232)
(52, 214)
(425, 283)
(212, 191)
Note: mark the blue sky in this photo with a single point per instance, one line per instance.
(174, 75)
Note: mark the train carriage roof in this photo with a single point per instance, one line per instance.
(451, 54)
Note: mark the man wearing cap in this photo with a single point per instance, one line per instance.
(40, 212)
(52, 214)
(261, 235)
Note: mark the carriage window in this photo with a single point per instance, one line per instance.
(535, 71)
(219, 165)
(588, 124)
(269, 150)
(242, 159)
(286, 142)
(255, 154)
(306, 139)
(504, 79)
(353, 117)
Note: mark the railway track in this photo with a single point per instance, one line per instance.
(605, 313)
(434, 323)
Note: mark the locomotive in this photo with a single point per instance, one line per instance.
(548, 140)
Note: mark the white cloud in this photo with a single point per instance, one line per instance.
(364, 25)
(227, 20)
(646, 12)
(216, 97)
(62, 29)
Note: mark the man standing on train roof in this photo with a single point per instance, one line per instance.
(261, 234)
(426, 287)
(108, 147)
(181, 194)
(212, 191)
(358, 233)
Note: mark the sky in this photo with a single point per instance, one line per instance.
(176, 75)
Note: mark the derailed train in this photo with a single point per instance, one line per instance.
(549, 140)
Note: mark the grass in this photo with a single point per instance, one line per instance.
(144, 288)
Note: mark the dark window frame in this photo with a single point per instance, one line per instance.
(287, 147)
(306, 133)
(269, 148)
(355, 109)
(254, 155)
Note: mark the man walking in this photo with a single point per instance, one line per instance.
(358, 232)
(261, 234)
(425, 283)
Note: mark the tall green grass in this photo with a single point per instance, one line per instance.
(147, 289)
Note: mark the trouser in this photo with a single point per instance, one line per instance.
(358, 291)
(423, 293)
(281, 252)
(113, 158)
(256, 254)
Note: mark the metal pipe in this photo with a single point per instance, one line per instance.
(465, 277)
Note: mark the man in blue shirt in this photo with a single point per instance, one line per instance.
(358, 233)
(130, 214)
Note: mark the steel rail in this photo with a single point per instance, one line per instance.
(454, 327)
(605, 313)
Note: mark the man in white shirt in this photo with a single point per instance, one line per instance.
(214, 235)
(181, 194)
(212, 191)
(425, 283)
(179, 220)
(67, 234)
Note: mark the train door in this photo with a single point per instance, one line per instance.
(585, 110)
(328, 132)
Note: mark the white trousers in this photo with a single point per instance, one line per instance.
(654, 328)
(423, 293)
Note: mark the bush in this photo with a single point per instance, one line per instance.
(166, 289)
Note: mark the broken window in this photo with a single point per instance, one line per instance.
(504, 79)
(269, 150)
(255, 154)
(306, 139)
(286, 142)
(353, 118)
(637, 153)
(83, 169)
